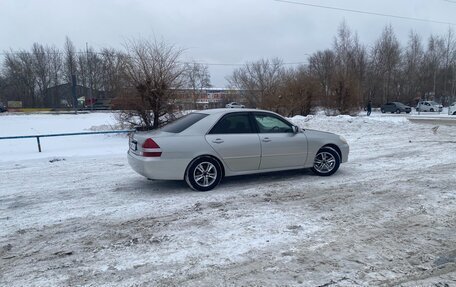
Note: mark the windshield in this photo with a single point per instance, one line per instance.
(183, 123)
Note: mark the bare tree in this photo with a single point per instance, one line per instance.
(197, 78)
(349, 65)
(113, 72)
(154, 70)
(412, 61)
(56, 65)
(42, 69)
(298, 91)
(21, 77)
(70, 60)
(432, 64)
(260, 80)
(95, 71)
(385, 58)
(449, 62)
(322, 66)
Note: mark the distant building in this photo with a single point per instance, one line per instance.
(208, 98)
(61, 96)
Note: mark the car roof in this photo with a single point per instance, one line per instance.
(228, 110)
(201, 127)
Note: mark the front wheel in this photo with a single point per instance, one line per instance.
(326, 162)
(431, 110)
(203, 174)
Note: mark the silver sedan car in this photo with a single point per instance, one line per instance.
(203, 147)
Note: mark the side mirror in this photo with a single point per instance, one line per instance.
(295, 129)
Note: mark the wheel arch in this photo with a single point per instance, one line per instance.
(206, 155)
(334, 147)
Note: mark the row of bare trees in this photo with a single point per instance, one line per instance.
(143, 78)
(27, 75)
(347, 76)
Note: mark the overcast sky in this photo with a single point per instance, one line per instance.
(214, 31)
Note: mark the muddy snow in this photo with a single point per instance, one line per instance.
(77, 215)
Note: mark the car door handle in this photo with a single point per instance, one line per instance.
(266, 140)
(217, 141)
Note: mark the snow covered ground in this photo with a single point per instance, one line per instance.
(76, 214)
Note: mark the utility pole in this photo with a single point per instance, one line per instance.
(74, 94)
(89, 66)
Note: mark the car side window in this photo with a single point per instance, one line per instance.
(238, 123)
(272, 124)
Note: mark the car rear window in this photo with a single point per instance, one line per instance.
(183, 123)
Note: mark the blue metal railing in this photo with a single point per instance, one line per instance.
(64, 135)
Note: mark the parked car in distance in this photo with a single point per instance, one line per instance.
(452, 109)
(205, 146)
(3, 108)
(428, 106)
(395, 107)
(233, 105)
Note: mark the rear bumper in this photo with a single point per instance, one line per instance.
(158, 167)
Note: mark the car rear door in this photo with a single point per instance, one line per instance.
(235, 140)
(280, 146)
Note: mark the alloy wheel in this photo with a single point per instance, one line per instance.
(324, 162)
(205, 174)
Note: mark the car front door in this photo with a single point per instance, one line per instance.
(235, 140)
(280, 146)
(388, 107)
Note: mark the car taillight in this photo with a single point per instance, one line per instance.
(151, 148)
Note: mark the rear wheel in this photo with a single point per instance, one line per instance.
(203, 174)
(326, 162)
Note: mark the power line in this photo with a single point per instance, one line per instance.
(240, 64)
(369, 13)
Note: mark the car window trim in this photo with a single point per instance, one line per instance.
(272, 115)
(255, 131)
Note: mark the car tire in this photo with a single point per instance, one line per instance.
(398, 111)
(203, 174)
(326, 162)
(454, 114)
(431, 110)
